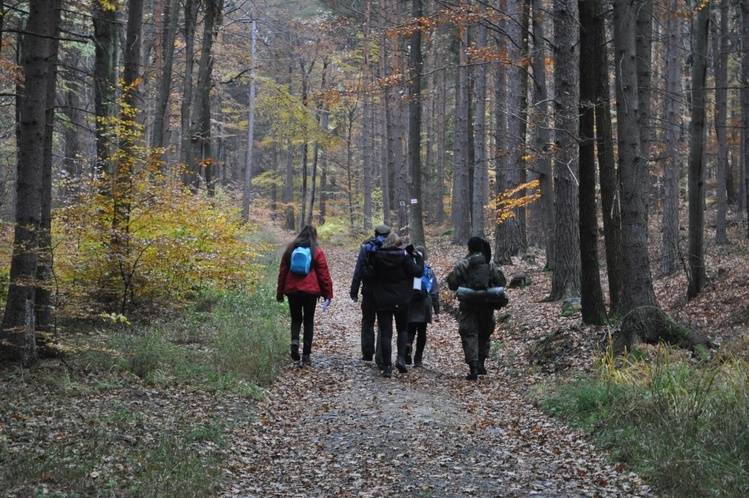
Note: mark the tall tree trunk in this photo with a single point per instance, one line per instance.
(745, 107)
(439, 215)
(164, 77)
(721, 110)
(593, 306)
(744, 197)
(697, 273)
(185, 154)
(512, 240)
(105, 68)
(247, 183)
(670, 253)
(201, 129)
(367, 114)
(542, 142)
(416, 62)
(643, 317)
(38, 51)
(480, 170)
(565, 280)
(43, 294)
(461, 184)
(607, 163)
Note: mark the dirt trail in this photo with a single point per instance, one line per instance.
(340, 429)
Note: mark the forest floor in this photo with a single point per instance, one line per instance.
(339, 428)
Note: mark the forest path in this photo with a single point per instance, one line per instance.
(340, 429)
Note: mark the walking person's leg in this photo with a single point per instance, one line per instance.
(385, 322)
(295, 310)
(401, 325)
(309, 303)
(421, 341)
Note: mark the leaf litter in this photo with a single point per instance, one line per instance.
(340, 429)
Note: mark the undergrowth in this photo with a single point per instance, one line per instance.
(678, 423)
(142, 410)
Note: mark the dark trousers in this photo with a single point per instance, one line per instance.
(418, 331)
(385, 322)
(476, 326)
(302, 310)
(370, 345)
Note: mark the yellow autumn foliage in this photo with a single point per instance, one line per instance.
(174, 245)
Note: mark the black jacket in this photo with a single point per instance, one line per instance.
(392, 285)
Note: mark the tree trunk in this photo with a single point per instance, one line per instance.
(201, 129)
(43, 295)
(164, 77)
(607, 164)
(480, 170)
(565, 280)
(185, 155)
(511, 238)
(670, 253)
(643, 317)
(105, 66)
(697, 273)
(721, 110)
(367, 115)
(247, 184)
(745, 107)
(593, 306)
(461, 183)
(17, 336)
(416, 62)
(541, 133)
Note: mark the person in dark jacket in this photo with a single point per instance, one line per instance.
(475, 322)
(303, 291)
(369, 347)
(392, 290)
(420, 313)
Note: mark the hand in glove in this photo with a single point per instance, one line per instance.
(325, 304)
(354, 296)
(410, 249)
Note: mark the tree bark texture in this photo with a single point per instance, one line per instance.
(17, 336)
(609, 181)
(720, 121)
(670, 254)
(593, 306)
(565, 280)
(416, 64)
(461, 213)
(696, 183)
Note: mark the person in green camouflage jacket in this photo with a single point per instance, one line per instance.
(476, 322)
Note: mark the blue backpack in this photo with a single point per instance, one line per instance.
(301, 261)
(426, 282)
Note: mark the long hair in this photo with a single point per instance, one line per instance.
(393, 240)
(307, 237)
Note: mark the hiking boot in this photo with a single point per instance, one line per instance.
(295, 350)
(418, 364)
(482, 368)
(387, 371)
(407, 357)
(306, 361)
(366, 357)
(400, 364)
(474, 371)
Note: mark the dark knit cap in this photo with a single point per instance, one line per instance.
(382, 230)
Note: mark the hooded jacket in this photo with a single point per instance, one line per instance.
(392, 285)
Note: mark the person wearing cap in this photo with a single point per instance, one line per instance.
(475, 322)
(424, 302)
(369, 348)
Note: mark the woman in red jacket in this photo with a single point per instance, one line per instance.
(304, 286)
